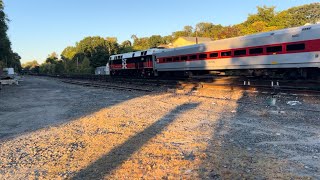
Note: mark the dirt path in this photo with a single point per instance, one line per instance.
(122, 135)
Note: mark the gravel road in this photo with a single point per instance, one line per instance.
(51, 129)
(38, 102)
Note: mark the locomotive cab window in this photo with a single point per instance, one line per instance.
(256, 51)
(227, 53)
(274, 49)
(296, 47)
(203, 56)
(214, 55)
(240, 52)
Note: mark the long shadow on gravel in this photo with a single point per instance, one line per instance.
(109, 162)
(263, 142)
(40, 102)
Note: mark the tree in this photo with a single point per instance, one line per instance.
(140, 43)
(300, 15)
(126, 43)
(204, 29)
(85, 67)
(96, 49)
(186, 32)
(30, 64)
(112, 45)
(134, 37)
(68, 53)
(155, 41)
(52, 58)
(228, 32)
(126, 46)
(264, 14)
(167, 39)
(7, 56)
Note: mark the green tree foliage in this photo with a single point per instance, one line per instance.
(140, 43)
(155, 41)
(126, 46)
(8, 58)
(68, 53)
(264, 20)
(95, 49)
(85, 67)
(300, 15)
(167, 39)
(52, 65)
(31, 66)
(187, 31)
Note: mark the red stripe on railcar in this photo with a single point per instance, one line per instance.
(310, 46)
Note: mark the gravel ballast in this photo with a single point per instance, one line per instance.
(51, 129)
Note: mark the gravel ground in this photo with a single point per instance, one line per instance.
(55, 130)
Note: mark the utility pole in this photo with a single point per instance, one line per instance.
(77, 63)
(196, 35)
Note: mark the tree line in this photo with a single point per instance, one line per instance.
(92, 52)
(8, 58)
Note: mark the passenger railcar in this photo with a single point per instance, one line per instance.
(292, 52)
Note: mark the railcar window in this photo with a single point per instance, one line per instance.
(169, 59)
(256, 51)
(296, 47)
(184, 58)
(202, 56)
(274, 49)
(240, 52)
(213, 55)
(177, 58)
(193, 57)
(227, 53)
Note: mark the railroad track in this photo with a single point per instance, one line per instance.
(311, 87)
(107, 85)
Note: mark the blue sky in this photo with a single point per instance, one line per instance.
(40, 27)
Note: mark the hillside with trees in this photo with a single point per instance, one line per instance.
(92, 52)
(8, 58)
